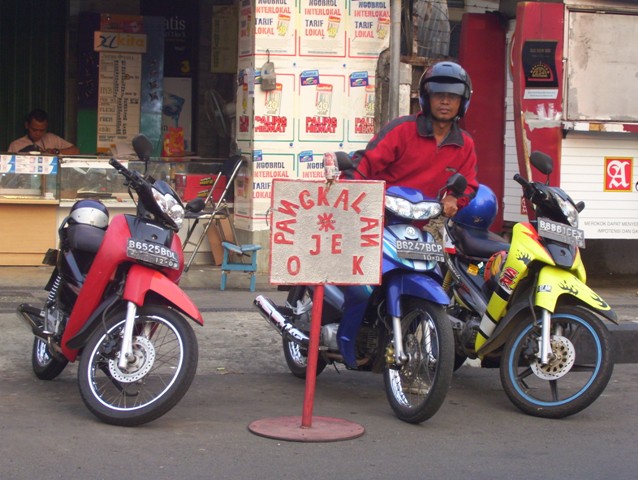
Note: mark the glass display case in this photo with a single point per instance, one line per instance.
(28, 178)
(95, 178)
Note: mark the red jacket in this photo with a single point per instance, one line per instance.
(404, 153)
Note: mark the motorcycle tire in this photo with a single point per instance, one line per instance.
(416, 390)
(297, 359)
(45, 365)
(573, 380)
(165, 348)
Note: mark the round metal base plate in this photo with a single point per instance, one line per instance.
(322, 429)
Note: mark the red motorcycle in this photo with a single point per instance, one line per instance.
(115, 302)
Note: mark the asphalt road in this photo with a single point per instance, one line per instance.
(47, 432)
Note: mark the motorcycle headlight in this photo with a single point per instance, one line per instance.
(170, 206)
(568, 209)
(413, 211)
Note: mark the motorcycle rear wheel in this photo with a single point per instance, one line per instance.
(416, 390)
(165, 348)
(572, 381)
(45, 365)
(297, 359)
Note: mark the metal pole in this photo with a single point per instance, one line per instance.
(395, 58)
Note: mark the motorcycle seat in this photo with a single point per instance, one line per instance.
(477, 242)
(86, 238)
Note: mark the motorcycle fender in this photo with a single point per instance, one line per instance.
(399, 283)
(554, 282)
(140, 280)
(562, 283)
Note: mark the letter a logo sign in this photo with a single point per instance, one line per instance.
(619, 174)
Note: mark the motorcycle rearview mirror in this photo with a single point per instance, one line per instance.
(580, 206)
(143, 149)
(344, 162)
(457, 184)
(196, 205)
(542, 162)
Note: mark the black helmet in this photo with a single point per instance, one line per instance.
(447, 77)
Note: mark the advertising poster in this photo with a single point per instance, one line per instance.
(274, 110)
(275, 27)
(321, 110)
(119, 95)
(369, 28)
(322, 28)
(246, 43)
(361, 98)
(310, 165)
(539, 66)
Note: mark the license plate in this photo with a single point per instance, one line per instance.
(153, 253)
(417, 250)
(561, 232)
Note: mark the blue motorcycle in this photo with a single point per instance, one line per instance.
(399, 327)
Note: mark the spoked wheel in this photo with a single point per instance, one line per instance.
(416, 390)
(297, 359)
(45, 365)
(579, 369)
(297, 356)
(163, 367)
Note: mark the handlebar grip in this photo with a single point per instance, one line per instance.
(520, 180)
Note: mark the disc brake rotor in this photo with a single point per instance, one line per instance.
(144, 357)
(562, 362)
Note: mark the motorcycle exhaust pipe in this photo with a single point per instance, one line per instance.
(270, 313)
(32, 317)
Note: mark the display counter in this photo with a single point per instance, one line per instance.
(37, 191)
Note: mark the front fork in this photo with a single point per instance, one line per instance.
(126, 350)
(399, 355)
(544, 341)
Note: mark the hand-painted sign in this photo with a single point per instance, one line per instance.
(326, 234)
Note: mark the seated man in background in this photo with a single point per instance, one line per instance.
(38, 139)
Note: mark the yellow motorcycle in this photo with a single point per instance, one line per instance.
(524, 306)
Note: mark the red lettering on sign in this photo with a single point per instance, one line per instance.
(369, 240)
(336, 243)
(293, 265)
(356, 265)
(355, 204)
(342, 198)
(317, 239)
(279, 237)
(322, 197)
(306, 203)
(370, 223)
(288, 208)
(284, 225)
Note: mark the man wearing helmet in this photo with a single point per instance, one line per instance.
(424, 149)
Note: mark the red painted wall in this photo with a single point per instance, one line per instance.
(482, 53)
(536, 73)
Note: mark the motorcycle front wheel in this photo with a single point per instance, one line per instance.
(579, 369)
(417, 388)
(165, 351)
(45, 365)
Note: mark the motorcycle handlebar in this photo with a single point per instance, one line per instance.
(131, 176)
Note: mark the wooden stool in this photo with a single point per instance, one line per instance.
(242, 250)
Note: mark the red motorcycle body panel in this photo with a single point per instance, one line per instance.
(110, 256)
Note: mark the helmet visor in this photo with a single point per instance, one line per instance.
(436, 87)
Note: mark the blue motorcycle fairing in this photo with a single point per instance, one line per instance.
(396, 284)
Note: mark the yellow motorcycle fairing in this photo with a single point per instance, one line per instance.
(554, 282)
